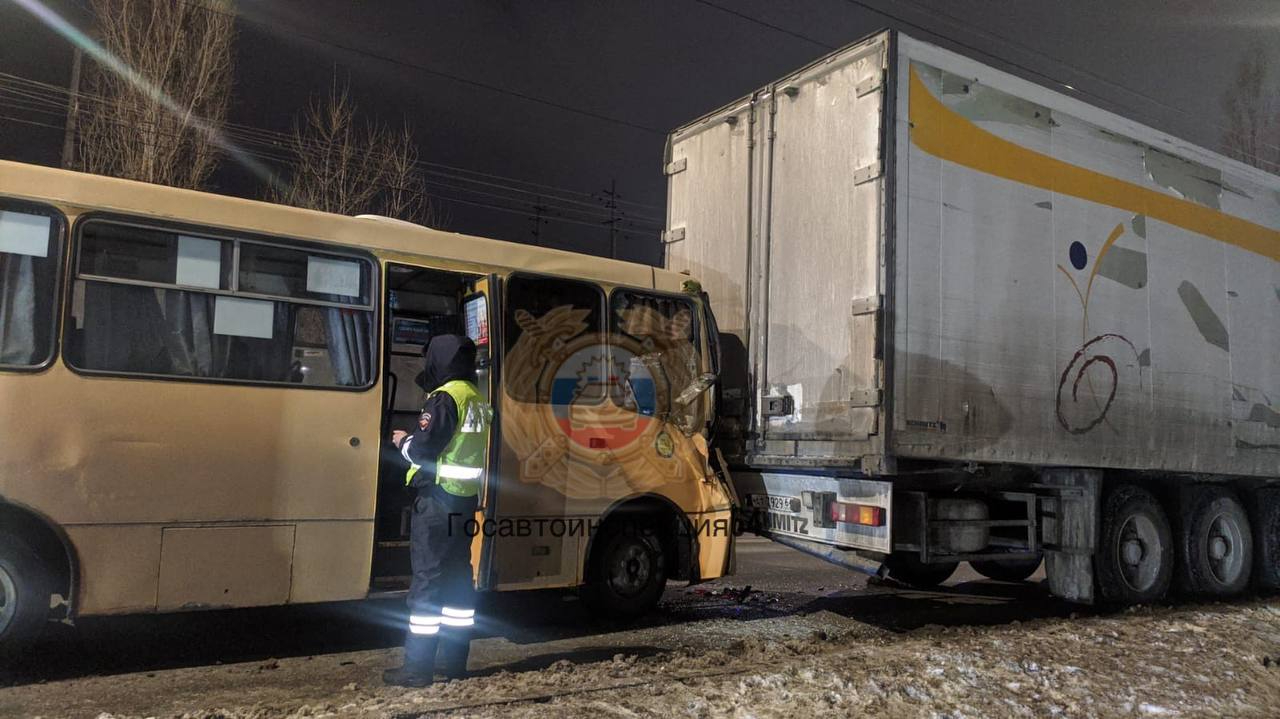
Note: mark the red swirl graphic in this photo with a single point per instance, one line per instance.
(1085, 358)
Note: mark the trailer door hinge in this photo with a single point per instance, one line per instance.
(866, 305)
(865, 398)
(870, 85)
(676, 167)
(673, 235)
(866, 174)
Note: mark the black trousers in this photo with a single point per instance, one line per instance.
(440, 552)
(442, 595)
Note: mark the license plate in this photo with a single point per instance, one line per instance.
(775, 503)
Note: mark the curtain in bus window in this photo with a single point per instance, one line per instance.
(124, 329)
(17, 310)
(145, 330)
(349, 343)
(194, 350)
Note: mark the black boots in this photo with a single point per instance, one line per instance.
(455, 646)
(419, 663)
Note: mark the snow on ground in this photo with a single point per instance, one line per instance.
(1220, 660)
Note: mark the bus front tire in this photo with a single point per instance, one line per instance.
(627, 572)
(907, 568)
(25, 588)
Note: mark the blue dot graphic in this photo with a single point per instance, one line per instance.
(1079, 256)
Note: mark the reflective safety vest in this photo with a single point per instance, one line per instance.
(460, 466)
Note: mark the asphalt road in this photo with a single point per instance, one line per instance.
(141, 664)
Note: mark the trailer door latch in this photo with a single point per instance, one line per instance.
(782, 406)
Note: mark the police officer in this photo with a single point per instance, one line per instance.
(446, 454)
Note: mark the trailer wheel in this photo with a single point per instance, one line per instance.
(907, 568)
(25, 588)
(1134, 561)
(1215, 543)
(1266, 540)
(1007, 570)
(626, 573)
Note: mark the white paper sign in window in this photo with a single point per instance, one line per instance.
(199, 262)
(24, 234)
(243, 318)
(328, 276)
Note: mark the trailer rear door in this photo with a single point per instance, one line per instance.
(822, 289)
(776, 203)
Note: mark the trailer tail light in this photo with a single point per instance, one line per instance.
(863, 514)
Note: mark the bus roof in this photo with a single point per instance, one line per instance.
(86, 192)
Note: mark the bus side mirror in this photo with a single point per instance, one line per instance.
(696, 389)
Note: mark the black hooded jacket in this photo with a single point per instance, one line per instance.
(448, 358)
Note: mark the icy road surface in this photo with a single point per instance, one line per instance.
(806, 640)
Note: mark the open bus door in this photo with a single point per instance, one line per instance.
(483, 325)
(421, 303)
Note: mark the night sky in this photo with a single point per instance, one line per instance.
(546, 103)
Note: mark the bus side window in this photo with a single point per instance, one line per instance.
(30, 248)
(155, 302)
(554, 344)
(655, 339)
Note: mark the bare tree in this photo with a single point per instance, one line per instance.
(157, 111)
(1252, 133)
(340, 165)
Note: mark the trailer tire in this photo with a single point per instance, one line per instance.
(907, 568)
(25, 587)
(627, 572)
(1266, 540)
(1135, 556)
(1215, 543)
(1007, 570)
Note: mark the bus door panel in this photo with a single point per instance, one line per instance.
(552, 463)
(481, 324)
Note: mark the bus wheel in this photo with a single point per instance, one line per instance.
(1007, 570)
(24, 596)
(627, 572)
(1134, 561)
(907, 568)
(1216, 544)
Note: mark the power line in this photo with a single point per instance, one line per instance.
(431, 71)
(428, 196)
(55, 96)
(998, 39)
(32, 96)
(771, 26)
(1052, 81)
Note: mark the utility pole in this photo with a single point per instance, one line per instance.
(611, 203)
(538, 222)
(73, 112)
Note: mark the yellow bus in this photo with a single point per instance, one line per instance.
(196, 391)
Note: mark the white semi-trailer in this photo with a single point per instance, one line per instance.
(965, 317)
